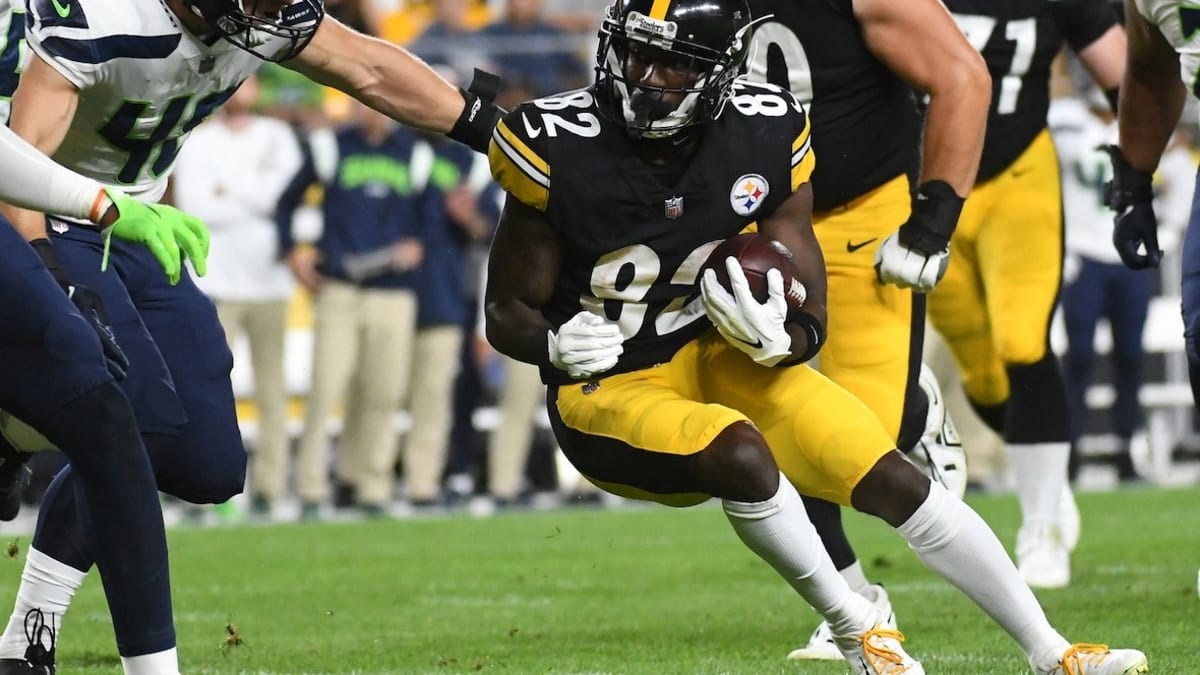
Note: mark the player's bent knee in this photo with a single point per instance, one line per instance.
(893, 490)
(738, 466)
(196, 475)
(99, 423)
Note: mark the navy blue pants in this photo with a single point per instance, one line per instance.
(1121, 295)
(55, 378)
(1190, 293)
(178, 383)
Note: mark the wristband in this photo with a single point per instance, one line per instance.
(813, 329)
(935, 211)
(479, 114)
(1129, 186)
(45, 251)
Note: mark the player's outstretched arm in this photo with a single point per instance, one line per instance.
(392, 80)
(919, 41)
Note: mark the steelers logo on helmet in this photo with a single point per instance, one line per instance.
(748, 193)
(666, 65)
(272, 30)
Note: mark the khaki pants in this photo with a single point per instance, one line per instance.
(508, 444)
(264, 325)
(435, 364)
(362, 346)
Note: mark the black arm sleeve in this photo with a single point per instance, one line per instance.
(1082, 22)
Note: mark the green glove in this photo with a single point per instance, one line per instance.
(164, 230)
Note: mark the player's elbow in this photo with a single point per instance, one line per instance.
(968, 80)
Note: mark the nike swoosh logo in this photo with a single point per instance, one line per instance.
(851, 247)
(531, 130)
(63, 10)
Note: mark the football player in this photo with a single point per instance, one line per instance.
(618, 194)
(995, 304)
(60, 360)
(854, 64)
(113, 93)
(1164, 46)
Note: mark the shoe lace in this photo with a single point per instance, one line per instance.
(36, 630)
(1073, 659)
(880, 652)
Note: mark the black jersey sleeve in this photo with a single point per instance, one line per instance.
(1082, 22)
(519, 158)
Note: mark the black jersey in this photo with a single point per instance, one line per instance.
(1019, 39)
(866, 128)
(633, 247)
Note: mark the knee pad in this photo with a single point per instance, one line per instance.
(192, 475)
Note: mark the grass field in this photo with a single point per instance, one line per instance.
(648, 590)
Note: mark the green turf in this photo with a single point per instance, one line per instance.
(628, 591)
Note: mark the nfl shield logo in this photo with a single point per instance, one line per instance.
(674, 207)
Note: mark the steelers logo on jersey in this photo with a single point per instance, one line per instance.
(748, 193)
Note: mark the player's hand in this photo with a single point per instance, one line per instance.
(1135, 228)
(907, 267)
(164, 230)
(585, 346)
(917, 255)
(90, 305)
(753, 327)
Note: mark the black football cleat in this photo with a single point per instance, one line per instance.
(12, 479)
(39, 655)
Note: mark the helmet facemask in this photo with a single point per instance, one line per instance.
(238, 22)
(643, 109)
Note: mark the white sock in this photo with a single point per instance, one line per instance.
(1041, 473)
(779, 531)
(158, 663)
(952, 540)
(47, 585)
(856, 578)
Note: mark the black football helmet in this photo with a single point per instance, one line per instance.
(712, 36)
(238, 22)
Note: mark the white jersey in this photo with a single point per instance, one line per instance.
(1178, 21)
(144, 83)
(13, 52)
(1085, 169)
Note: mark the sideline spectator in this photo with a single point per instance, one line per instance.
(361, 273)
(455, 216)
(526, 46)
(232, 176)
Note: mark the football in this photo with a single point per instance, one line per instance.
(757, 255)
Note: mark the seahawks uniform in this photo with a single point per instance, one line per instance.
(995, 303)
(13, 52)
(866, 133)
(1178, 21)
(143, 84)
(633, 245)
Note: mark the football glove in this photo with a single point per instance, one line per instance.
(164, 230)
(585, 346)
(1131, 195)
(917, 255)
(90, 305)
(753, 327)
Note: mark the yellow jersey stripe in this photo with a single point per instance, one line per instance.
(802, 170)
(659, 9)
(802, 139)
(516, 175)
(523, 150)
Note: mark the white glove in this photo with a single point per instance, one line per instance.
(897, 264)
(754, 328)
(585, 346)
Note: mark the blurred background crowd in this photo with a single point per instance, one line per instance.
(347, 260)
